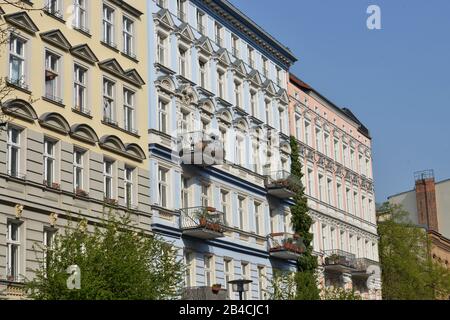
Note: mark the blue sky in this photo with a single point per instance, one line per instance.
(396, 80)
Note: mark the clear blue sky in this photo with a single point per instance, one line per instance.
(396, 80)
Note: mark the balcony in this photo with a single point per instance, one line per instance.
(362, 267)
(285, 246)
(202, 222)
(200, 148)
(339, 260)
(282, 184)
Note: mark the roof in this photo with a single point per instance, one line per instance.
(343, 111)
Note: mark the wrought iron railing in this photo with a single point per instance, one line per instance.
(286, 241)
(280, 179)
(362, 264)
(340, 257)
(202, 217)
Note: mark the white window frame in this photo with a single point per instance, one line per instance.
(128, 185)
(209, 269)
(54, 72)
(14, 146)
(163, 115)
(81, 16)
(80, 75)
(108, 25)
(13, 244)
(228, 266)
(129, 111)
(78, 166)
(163, 186)
(128, 36)
(109, 100)
(49, 157)
(14, 55)
(108, 175)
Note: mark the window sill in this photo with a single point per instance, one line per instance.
(54, 16)
(23, 88)
(81, 113)
(116, 126)
(131, 57)
(111, 46)
(58, 103)
(83, 31)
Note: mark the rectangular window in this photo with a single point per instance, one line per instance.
(163, 187)
(239, 157)
(182, 61)
(235, 46)
(190, 269)
(53, 8)
(241, 212)
(201, 22)
(13, 244)
(128, 187)
(342, 241)
(163, 118)
(205, 195)
(80, 21)
(13, 149)
(326, 138)
(52, 78)
(108, 101)
(128, 37)
(319, 140)
(48, 241)
(367, 168)
(246, 275)
(108, 25)
(221, 84)
(218, 34)
(17, 61)
(310, 183)
(344, 153)
(281, 118)
(78, 169)
(352, 159)
(184, 192)
(49, 162)
(268, 112)
(262, 282)
(251, 60)
(181, 10)
(355, 203)
(265, 67)
(108, 179)
(330, 191)
(325, 240)
(203, 73)
(129, 110)
(224, 204)
(253, 104)
(80, 89)
(339, 196)
(336, 150)
(321, 192)
(307, 133)
(258, 218)
(161, 48)
(229, 276)
(298, 127)
(209, 270)
(363, 208)
(238, 93)
(279, 83)
(347, 200)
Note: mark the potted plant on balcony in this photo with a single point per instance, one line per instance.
(202, 216)
(333, 259)
(216, 288)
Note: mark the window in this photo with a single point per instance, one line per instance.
(326, 138)
(261, 282)
(352, 159)
(238, 93)
(108, 25)
(49, 162)
(347, 200)
(339, 195)
(253, 104)
(78, 169)
(13, 149)
(336, 150)
(13, 250)
(128, 186)
(355, 203)
(163, 118)
(363, 207)
(229, 275)
(310, 182)
(281, 118)
(319, 140)
(203, 73)
(128, 37)
(80, 19)
(362, 171)
(325, 244)
(367, 168)
(351, 243)
(218, 34)
(273, 223)
(161, 48)
(251, 60)
(181, 14)
(17, 60)
(235, 46)
(52, 7)
(321, 193)
(209, 270)
(344, 153)
(184, 192)
(246, 275)
(258, 218)
(279, 77)
(307, 133)
(108, 179)
(241, 212)
(80, 89)
(108, 101)
(298, 126)
(268, 109)
(224, 204)
(52, 78)
(201, 22)
(182, 61)
(163, 187)
(190, 269)
(265, 67)
(342, 241)
(370, 211)
(221, 83)
(205, 195)
(161, 3)
(333, 244)
(239, 157)
(128, 110)
(330, 191)
(48, 241)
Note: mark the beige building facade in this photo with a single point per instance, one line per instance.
(74, 114)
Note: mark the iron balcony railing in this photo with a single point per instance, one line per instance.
(283, 241)
(340, 257)
(362, 264)
(283, 179)
(202, 218)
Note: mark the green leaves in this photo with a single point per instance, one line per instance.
(116, 262)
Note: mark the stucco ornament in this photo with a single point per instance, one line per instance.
(83, 225)
(18, 210)
(187, 96)
(53, 218)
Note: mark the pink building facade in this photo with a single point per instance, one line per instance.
(335, 149)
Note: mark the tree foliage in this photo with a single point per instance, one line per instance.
(116, 262)
(332, 293)
(408, 271)
(301, 221)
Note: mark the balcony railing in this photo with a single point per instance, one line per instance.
(339, 260)
(362, 265)
(200, 148)
(282, 184)
(285, 245)
(202, 222)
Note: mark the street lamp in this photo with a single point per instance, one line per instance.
(240, 285)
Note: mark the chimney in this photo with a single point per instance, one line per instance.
(426, 199)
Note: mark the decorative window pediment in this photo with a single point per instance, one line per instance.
(23, 21)
(285, 147)
(207, 105)
(20, 108)
(223, 56)
(85, 53)
(112, 66)
(56, 38)
(166, 84)
(269, 87)
(134, 76)
(225, 116)
(241, 124)
(185, 32)
(135, 151)
(187, 94)
(283, 96)
(164, 19)
(255, 77)
(239, 67)
(114, 144)
(54, 121)
(205, 45)
(84, 133)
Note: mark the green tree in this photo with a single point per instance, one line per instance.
(301, 221)
(116, 262)
(408, 271)
(333, 293)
